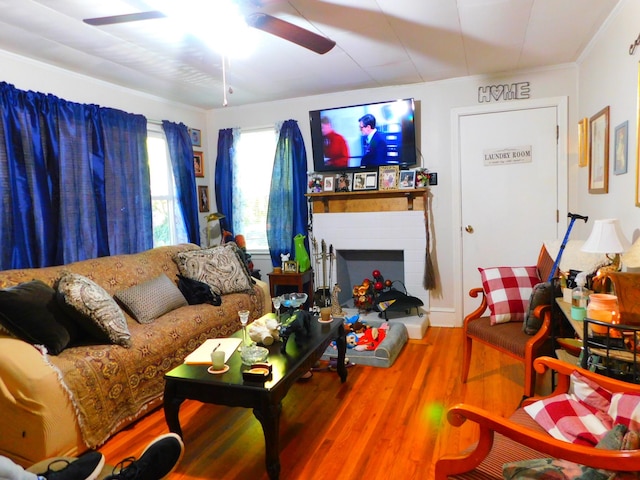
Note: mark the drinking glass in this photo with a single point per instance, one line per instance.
(244, 319)
(276, 304)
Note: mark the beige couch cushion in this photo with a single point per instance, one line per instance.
(151, 299)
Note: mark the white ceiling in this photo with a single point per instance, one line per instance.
(379, 43)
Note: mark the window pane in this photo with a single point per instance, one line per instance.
(168, 224)
(253, 167)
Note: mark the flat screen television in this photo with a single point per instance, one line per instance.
(338, 142)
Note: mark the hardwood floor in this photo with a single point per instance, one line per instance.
(382, 423)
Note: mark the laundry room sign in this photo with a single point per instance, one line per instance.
(507, 156)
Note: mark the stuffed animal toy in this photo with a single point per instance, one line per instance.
(264, 331)
(300, 325)
(372, 337)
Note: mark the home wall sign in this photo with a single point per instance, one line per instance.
(512, 91)
(507, 156)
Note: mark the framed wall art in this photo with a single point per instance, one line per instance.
(599, 152)
(198, 164)
(388, 176)
(621, 148)
(203, 198)
(196, 137)
(314, 183)
(583, 142)
(407, 179)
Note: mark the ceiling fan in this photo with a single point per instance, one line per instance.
(261, 21)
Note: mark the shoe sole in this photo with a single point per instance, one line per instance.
(161, 437)
(98, 470)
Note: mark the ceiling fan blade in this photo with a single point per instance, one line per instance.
(127, 17)
(290, 32)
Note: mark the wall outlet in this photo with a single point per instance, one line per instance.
(433, 178)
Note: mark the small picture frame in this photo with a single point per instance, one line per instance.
(407, 179)
(360, 181)
(621, 148)
(343, 182)
(599, 152)
(198, 164)
(290, 266)
(315, 183)
(583, 142)
(327, 183)
(196, 137)
(388, 175)
(203, 198)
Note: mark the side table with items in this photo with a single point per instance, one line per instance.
(606, 348)
(303, 282)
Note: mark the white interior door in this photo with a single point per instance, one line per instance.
(509, 189)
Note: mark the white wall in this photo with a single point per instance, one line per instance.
(608, 76)
(435, 101)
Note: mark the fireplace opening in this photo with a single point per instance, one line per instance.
(353, 266)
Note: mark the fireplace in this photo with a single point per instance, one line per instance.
(392, 242)
(353, 266)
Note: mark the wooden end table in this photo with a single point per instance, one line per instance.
(194, 382)
(302, 281)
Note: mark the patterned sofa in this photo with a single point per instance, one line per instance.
(66, 403)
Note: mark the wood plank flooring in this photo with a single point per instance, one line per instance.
(382, 423)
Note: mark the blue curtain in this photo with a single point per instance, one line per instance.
(287, 214)
(74, 181)
(181, 153)
(227, 139)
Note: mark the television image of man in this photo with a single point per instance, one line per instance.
(375, 145)
(336, 150)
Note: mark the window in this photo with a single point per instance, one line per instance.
(168, 224)
(252, 170)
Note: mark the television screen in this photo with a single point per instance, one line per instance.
(364, 136)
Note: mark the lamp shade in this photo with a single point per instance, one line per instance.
(606, 237)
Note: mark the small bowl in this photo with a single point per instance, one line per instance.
(293, 300)
(254, 354)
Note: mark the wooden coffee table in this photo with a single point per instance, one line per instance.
(194, 382)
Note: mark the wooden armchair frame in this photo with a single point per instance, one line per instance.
(508, 337)
(519, 435)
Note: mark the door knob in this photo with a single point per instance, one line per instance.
(469, 229)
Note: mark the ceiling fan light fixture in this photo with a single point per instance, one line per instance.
(220, 24)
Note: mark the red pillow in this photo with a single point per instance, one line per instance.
(508, 290)
(625, 409)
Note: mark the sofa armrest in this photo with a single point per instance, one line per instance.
(266, 294)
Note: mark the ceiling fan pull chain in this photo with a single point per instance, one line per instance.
(224, 81)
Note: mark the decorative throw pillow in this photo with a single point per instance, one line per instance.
(568, 419)
(589, 392)
(30, 312)
(625, 409)
(542, 294)
(93, 309)
(219, 267)
(151, 299)
(508, 290)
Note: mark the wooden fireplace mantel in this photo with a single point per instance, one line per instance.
(367, 201)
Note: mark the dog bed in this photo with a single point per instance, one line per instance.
(383, 356)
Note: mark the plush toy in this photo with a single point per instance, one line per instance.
(372, 337)
(264, 330)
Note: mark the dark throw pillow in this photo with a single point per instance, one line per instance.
(30, 312)
(197, 292)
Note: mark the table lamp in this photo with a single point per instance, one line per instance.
(607, 237)
(212, 217)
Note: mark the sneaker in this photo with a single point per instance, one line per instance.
(85, 467)
(159, 459)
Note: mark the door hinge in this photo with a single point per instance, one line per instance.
(557, 216)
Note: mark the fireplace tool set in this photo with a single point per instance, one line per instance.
(322, 295)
